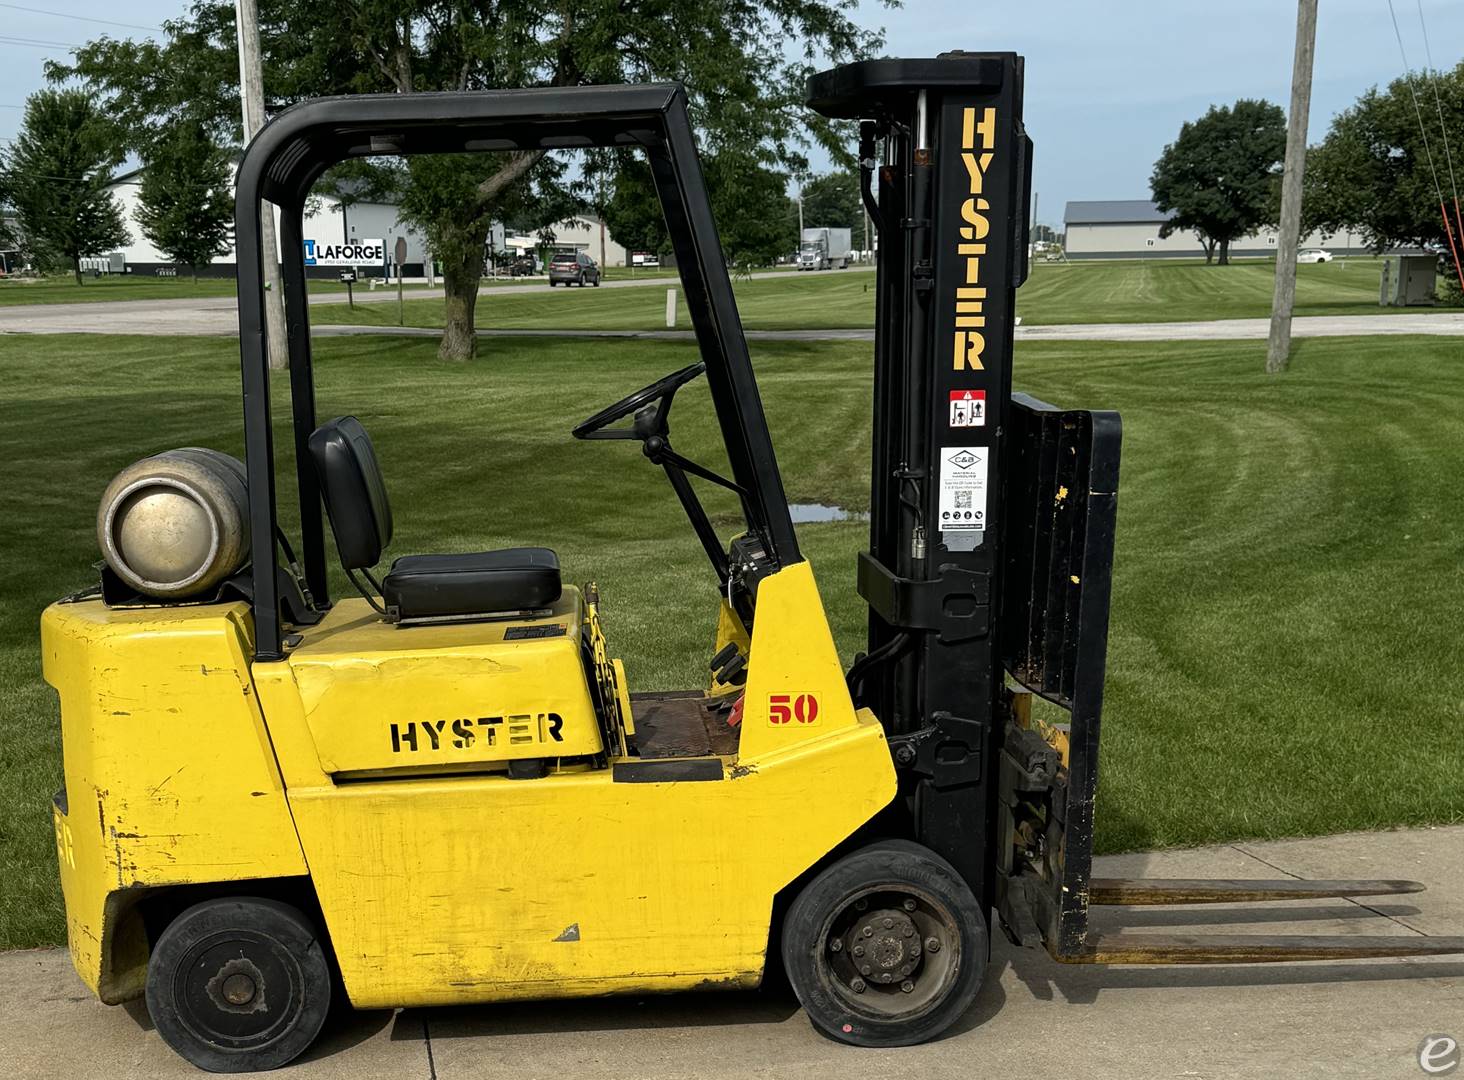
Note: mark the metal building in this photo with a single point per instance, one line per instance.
(1129, 229)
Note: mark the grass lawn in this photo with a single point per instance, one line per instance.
(1284, 645)
(1160, 290)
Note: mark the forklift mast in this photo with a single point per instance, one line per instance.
(946, 166)
(992, 521)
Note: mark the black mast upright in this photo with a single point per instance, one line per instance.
(946, 163)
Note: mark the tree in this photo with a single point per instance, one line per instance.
(745, 97)
(59, 172)
(1220, 177)
(833, 200)
(186, 203)
(748, 200)
(1371, 173)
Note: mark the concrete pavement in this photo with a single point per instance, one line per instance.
(1034, 1018)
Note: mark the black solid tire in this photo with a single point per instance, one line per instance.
(262, 936)
(582, 279)
(805, 943)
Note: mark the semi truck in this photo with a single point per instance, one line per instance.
(824, 248)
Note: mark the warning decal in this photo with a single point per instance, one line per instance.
(968, 408)
(963, 488)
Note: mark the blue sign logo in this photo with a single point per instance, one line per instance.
(309, 252)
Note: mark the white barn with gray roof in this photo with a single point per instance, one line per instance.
(1129, 229)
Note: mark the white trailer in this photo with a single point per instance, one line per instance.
(825, 248)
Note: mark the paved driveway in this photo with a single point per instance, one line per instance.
(1034, 1018)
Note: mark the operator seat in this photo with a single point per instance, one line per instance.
(417, 586)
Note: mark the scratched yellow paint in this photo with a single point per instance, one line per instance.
(457, 887)
(169, 774)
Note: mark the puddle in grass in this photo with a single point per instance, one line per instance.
(806, 513)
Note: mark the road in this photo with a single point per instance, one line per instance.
(216, 316)
(1034, 1018)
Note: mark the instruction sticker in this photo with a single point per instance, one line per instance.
(968, 408)
(963, 489)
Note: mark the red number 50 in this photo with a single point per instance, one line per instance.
(785, 708)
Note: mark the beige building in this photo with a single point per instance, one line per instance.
(589, 234)
(1129, 229)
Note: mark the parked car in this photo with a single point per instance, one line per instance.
(573, 268)
(1314, 255)
(523, 266)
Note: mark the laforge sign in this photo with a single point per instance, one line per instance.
(978, 141)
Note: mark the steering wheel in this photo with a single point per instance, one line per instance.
(663, 389)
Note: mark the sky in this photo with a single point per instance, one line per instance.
(1109, 82)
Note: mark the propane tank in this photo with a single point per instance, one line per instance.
(176, 525)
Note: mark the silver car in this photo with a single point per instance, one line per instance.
(573, 268)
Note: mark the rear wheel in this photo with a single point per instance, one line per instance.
(886, 947)
(239, 984)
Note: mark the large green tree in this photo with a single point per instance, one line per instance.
(745, 96)
(748, 200)
(832, 200)
(1372, 172)
(186, 202)
(1219, 178)
(58, 176)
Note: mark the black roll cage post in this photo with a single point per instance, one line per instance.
(290, 154)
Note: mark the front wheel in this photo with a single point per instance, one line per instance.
(886, 947)
(239, 984)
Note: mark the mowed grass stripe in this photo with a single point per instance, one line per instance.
(1286, 596)
(1159, 290)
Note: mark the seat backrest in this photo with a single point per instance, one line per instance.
(353, 489)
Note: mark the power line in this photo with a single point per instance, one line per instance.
(80, 18)
(1423, 130)
(38, 43)
(1418, 109)
(1438, 104)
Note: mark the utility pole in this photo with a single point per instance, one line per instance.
(251, 97)
(1278, 347)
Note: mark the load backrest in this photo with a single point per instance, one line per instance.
(354, 491)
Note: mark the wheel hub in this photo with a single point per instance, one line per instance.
(238, 986)
(886, 945)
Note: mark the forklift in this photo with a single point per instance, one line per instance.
(444, 790)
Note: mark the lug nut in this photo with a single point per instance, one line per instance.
(907, 986)
(865, 969)
(909, 931)
(886, 978)
(868, 931)
(915, 948)
(858, 950)
(857, 986)
(889, 924)
(932, 944)
(909, 905)
(836, 945)
(861, 905)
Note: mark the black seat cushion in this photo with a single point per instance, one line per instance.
(514, 579)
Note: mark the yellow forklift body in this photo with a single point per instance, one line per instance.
(464, 888)
(379, 698)
(169, 776)
(441, 878)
